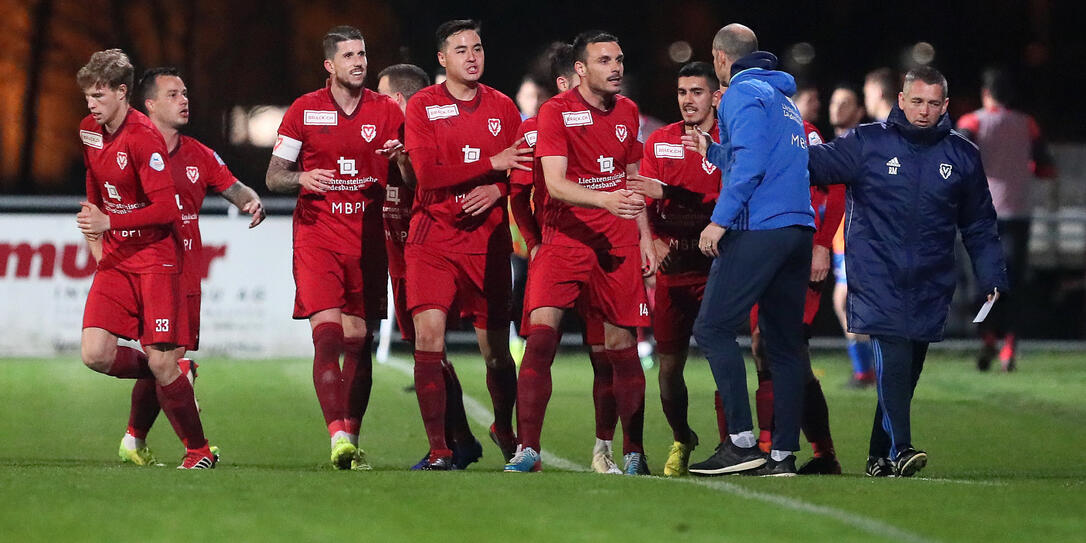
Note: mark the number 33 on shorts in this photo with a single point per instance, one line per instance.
(162, 325)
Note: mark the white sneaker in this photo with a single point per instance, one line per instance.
(603, 460)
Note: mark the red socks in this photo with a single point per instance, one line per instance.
(357, 380)
(430, 390)
(534, 384)
(603, 395)
(145, 407)
(178, 402)
(456, 419)
(502, 384)
(629, 386)
(816, 419)
(763, 403)
(130, 364)
(327, 379)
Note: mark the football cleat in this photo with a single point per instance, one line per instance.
(360, 462)
(774, 468)
(879, 467)
(421, 463)
(438, 463)
(730, 459)
(909, 462)
(525, 460)
(987, 354)
(140, 457)
(343, 453)
(603, 461)
(821, 465)
(466, 455)
(635, 464)
(678, 457)
(205, 458)
(508, 447)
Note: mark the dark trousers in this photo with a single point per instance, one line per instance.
(770, 268)
(898, 363)
(1014, 235)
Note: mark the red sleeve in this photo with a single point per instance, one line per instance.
(93, 196)
(649, 163)
(221, 176)
(422, 147)
(290, 126)
(831, 221)
(551, 138)
(636, 149)
(148, 156)
(969, 124)
(521, 177)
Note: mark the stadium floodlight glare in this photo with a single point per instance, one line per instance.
(802, 53)
(923, 53)
(680, 51)
(255, 125)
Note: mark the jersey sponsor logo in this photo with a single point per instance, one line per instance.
(530, 137)
(577, 118)
(945, 170)
(156, 163)
(347, 166)
(369, 132)
(607, 164)
(122, 159)
(668, 150)
(392, 194)
(315, 117)
(892, 165)
(471, 154)
(709, 167)
(799, 141)
(494, 125)
(435, 113)
(193, 173)
(621, 132)
(111, 191)
(814, 139)
(91, 139)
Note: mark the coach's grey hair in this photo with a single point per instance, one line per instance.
(736, 41)
(928, 75)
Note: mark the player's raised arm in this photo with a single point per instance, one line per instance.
(247, 200)
(283, 175)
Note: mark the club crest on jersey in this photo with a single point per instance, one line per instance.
(709, 167)
(435, 113)
(369, 132)
(494, 125)
(945, 170)
(91, 139)
(621, 132)
(122, 159)
(577, 118)
(320, 118)
(193, 173)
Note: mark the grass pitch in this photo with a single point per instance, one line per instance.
(1006, 464)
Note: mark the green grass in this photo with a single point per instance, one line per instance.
(1006, 464)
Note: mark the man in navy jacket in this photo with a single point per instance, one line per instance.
(912, 183)
(760, 234)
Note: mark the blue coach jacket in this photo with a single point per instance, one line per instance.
(909, 189)
(762, 152)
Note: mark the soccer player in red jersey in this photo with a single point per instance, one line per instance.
(681, 188)
(596, 240)
(333, 150)
(129, 220)
(195, 169)
(829, 205)
(460, 135)
(527, 201)
(400, 82)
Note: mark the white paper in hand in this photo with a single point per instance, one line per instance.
(984, 310)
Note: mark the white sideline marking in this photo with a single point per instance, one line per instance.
(482, 416)
(960, 481)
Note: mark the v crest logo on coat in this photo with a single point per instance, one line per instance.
(621, 132)
(369, 132)
(193, 173)
(122, 159)
(945, 170)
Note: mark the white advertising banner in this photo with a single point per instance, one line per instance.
(248, 292)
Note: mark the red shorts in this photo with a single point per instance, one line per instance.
(810, 307)
(591, 334)
(676, 310)
(480, 285)
(403, 315)
(611, 279)
(190, 333)
(138, 306)
(326, 279)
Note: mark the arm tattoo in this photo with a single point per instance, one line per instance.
(239, 194)
(281, 177)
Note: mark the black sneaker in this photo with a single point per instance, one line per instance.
(731, 459)
(773, 468)
(879, 467)
(441, 463)
(909, 462)
(987, 353)
(821, 465)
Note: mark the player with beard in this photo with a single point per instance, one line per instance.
(596, 241)
(195, 169)
(461, 136)
(332, 150)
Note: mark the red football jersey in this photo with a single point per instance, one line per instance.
(396, 212)
(450, 142)
(679, 219)
(127, 178)
(316, 133)
(827, 201)
(528, 210)
(195, 169)
(599, 145)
